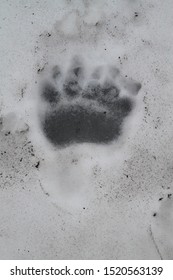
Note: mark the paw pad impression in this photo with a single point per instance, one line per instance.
(80, 112)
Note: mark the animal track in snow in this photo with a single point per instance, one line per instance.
(82, 110)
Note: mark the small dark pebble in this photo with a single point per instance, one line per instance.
(154, 215)
(136, 14)
(40, 70)
(37, 165)
(8, 133)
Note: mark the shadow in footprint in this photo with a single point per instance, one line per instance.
(93, 114)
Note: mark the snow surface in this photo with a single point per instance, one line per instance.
(86, 201)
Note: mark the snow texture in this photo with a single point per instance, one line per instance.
(86, 129)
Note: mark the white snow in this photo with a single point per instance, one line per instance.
(86, 201)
